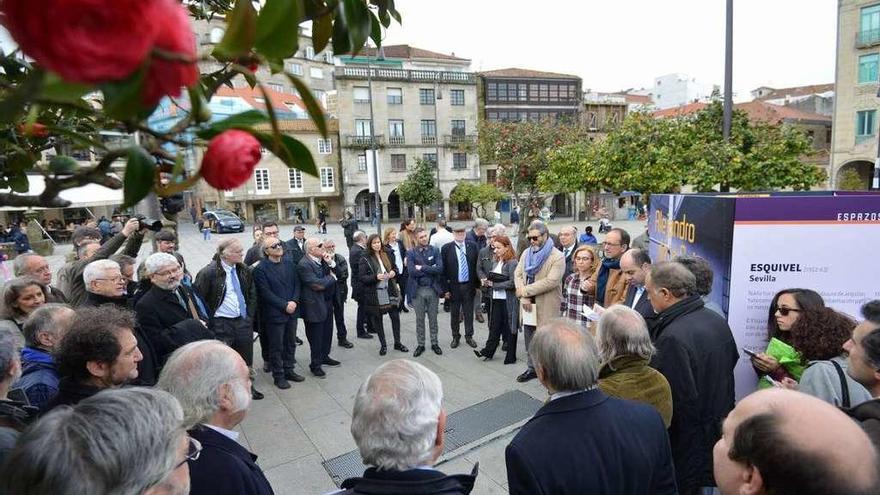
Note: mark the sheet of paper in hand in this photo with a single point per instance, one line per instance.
(529, 317)
(593, 313)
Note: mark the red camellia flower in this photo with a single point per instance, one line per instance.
(86, 41)
(230, 159)
(35, 130)
(164, 76)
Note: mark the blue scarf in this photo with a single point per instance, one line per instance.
(535, 260)
(602, 281)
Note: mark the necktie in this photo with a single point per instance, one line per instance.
(567, 251)
(242, 304)
(463, 274)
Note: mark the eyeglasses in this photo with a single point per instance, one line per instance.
(113, 279)
(193, 451)
(584, 258)
(276, 245)
(786, 311)
(167, 273)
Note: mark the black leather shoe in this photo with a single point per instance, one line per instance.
(298, 341)
(526, 376)
(419, 350)
(256, 394)
(479, 354)
(454, 343)
(364, 336)
(329, 361)
(509, 361)
(281, 383)
(471, 342)
(400, 347)
(437, 350)
(345, 343)
(319, 373)
(293, 376)
(372, 331)
(383, 350)
(404, 309)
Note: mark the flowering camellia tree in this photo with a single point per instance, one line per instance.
(87, 66)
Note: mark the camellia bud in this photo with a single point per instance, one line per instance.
(33, 130)
(230, 159)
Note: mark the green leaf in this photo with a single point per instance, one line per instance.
(357, 20)
(122, 99)
(276, 35)
(14, 102)
(375, 30)
(18, 182)
(270, 110)
(58, 90)
(244, 120)
(312, 106)
(241, 32)
(293, 153)
(61, 164)
(139, 174)
(341, 43)
(322, 28)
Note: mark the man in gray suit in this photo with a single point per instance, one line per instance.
(315, 271)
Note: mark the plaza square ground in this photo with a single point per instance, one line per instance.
(293, 431)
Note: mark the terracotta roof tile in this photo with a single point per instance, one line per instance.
(300, 125)
(797, 91)
(680, 110)
(410, 52)
(767, 112)
(516, 72)
(280, 101)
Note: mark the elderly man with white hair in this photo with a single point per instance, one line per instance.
(104, 284)
(125, 442)
(398, 423)
(623, 451)
(213, 384)
(168, 313)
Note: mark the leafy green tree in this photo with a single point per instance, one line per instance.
(476, 195)
(850, 180)
(420, 186)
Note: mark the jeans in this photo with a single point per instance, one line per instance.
(426, 303)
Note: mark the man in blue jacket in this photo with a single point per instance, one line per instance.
(43, 329)
(424, 288)
(583, 441)
(315, 272)
(278, 289)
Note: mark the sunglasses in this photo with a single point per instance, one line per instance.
(786, 311)
(534, 237)
(276, 245)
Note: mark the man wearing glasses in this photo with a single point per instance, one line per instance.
(36, 267)
(608, 282)
(315, 272)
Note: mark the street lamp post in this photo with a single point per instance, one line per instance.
(728, 72)
(875, 181)
(375, 185)
(438, 96)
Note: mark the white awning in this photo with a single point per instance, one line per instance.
(79, 197)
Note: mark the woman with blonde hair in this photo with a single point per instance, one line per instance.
(574, 294)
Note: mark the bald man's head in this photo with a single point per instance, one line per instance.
(786, 442)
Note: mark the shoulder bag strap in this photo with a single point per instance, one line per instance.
(843, 385)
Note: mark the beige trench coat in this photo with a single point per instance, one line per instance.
(547, 288)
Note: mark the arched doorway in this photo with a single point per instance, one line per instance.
(855, 176)
(394, 205)
(364, 205)
(561, 205)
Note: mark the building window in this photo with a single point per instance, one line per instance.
(398, 163)
(395, 96)
(295, 180)
(491, 91)
(459, 161)
(325, 146)
(327, 182)
(362, 127)
(868, 68)
(456, 97)
(261, 180)
(294, 68)
(310, 52)
(426, 96)
(361, 94)
(865, 124)
(869, 26)
(430, 158)
(395, 133)
(458, 127)
(276, 87)
(316, 73)
(491, 176)
(429, 128)
(362, 163)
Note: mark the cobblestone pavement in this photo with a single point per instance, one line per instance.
(293, 431)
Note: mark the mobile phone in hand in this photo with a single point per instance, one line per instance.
(749, 352)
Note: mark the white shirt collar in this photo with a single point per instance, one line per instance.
(559, 395)
(226, 266)
(232, 435)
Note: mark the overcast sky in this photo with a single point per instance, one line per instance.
(616, 44)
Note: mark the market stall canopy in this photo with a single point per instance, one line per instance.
(79, 197)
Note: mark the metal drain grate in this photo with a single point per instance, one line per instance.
(463, 427)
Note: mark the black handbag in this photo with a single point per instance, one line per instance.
(498, 277)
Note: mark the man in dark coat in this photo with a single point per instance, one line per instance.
(340, 270)
(224, 466)
(567, 244)
(168, 313)
(315, 272)
(583, 441)
(349, 227)
(36, 267)
(635, 265)
(460, 280)
(296, 245)
(44, 328)
(478, 235)
(402, 393)
(356, 255)
(278, 288)
(226, 285)
(864, 367)
(696, 353)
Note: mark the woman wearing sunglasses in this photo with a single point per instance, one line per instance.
(377, 275)
(504, 308)
(781, 359)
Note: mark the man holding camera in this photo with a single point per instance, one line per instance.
(132, 236)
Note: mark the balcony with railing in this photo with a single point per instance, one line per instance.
(429, 140)
(459, 140)
(391, 74)
(868, 37)
(358, 141)
(396, 141)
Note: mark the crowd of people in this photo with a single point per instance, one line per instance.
(141, 359)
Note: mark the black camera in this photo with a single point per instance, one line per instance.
(148, 223)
